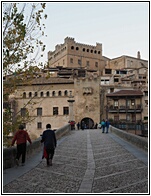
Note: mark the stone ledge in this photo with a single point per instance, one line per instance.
(9, 154)
(134, 139)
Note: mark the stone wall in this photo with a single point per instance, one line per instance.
(134, 139)
(9, 154)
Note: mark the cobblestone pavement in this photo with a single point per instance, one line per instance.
(86, 162)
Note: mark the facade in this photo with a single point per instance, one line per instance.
(116, 89)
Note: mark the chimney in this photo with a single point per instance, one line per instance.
(138, 55)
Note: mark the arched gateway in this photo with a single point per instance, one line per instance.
(89, 123)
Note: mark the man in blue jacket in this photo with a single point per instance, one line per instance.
(49, 139)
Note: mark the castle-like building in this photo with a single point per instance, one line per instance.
(99, 87)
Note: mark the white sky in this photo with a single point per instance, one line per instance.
(121, 27)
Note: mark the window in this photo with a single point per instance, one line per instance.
(39, 111)
(77, 48)
(79, 61)
(115, 103)
(55, 110)
(116, 117)
(41, 94)
(48, 94)
(39, 125)
(66, 93)
(108, 71)
(111, 90)
(53, 93)
(59, 93)
(72, 47)
(23, 112)
(146, 93)
(88, 63)
(87, 50)
(24, 95)
(83, 49)
(133, 102)
(146, 102)
(30, 94)
(145, 117)
(91, 51)
(65, 110)
(36, 94)
(96, 64)
(116, 80)
(71, 60)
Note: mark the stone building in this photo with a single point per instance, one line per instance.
(98, 86)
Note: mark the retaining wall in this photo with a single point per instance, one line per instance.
(9, 154)
(134, 139)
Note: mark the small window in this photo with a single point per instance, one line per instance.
(30, 94)
(79, 61)
(91, 51)
(133, 102)
(99, 52)
(39, 125)
(71, 60)
(95, 51)
(24, 95)
(87, 50)
(23, 112)
(116, 103)
(107, 71)
(36, 94)
(39, 111)
(47, 94)
(116, 80)
(59, 93)
(65, 110)
(66, 93)
(53, 93)
(41, 94)
(77, 48)
(55, 110)
(96, 64)
(72, 47)
(145, 117)
(83, 49)
(88, 63)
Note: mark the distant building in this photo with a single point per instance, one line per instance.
(116, 88)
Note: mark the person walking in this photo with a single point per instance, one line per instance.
(21, 137)
(103, 125)
(50, 142)
(78, 125)
(107, 124)
(82, 125)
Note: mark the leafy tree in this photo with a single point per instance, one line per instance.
(23, 28)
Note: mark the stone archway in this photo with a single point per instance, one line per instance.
(88, 122)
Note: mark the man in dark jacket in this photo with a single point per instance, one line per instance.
(49, 139)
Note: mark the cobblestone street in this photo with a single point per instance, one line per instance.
(86, 162)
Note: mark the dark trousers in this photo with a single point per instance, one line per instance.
(50, 153)
(21, 150)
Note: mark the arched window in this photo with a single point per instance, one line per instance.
(24, 95)
(66, 93)
(91, 51)
(36, 94)
(30, 94)
(53, 93)
(59, 93)
(99, 52)
(77, 48)
(83, 49)
(47, 94)
(41, 94)
(87, 50)
(72, 47)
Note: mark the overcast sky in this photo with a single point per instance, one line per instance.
(121, 27)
